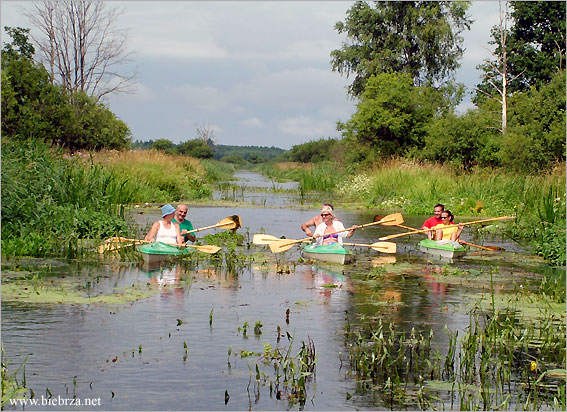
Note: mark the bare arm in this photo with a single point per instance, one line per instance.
(457, 234)
(178, 233)
(151, 236)
(311, 222)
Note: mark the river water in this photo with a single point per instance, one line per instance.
(132, 356)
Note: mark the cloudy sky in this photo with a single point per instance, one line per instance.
(256, 72)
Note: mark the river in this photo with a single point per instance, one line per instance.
(169, 350)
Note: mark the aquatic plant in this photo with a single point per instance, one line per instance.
(11, 387)
(500, 361)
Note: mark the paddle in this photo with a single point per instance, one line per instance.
(263, 239)
(230, 222)
(413, 232)
(285, 244)
(201, 248)
(491, 248)
(384, 247)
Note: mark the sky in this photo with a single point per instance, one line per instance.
(256, 73)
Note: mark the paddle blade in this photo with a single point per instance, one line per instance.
(236, 220)
(384, 247)
(392, 220)
(263, 239)
(282, 245)
(210, 249)
(231, 222)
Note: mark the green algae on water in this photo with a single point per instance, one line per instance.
(64, 293)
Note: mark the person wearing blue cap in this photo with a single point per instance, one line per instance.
(165, 230)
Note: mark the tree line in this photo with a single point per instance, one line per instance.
(402, 57)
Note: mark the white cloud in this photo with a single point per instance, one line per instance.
(305, 127)
(196, 97)
(253, 122)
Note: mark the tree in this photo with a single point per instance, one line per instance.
(164, 145)
(82, 46)
(420, 38)
(34, 108)
(391, 117)
(536, 43)
(196, 148)
(206, 133)
(496, 77)
(529, 54)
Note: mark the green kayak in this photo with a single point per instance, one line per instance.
(448, 250)
(158, 251)
(333, 253)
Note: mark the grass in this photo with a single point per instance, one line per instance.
(156, 176)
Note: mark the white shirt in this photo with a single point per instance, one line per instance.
(320, 230)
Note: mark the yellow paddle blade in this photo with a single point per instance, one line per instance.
(283, 244)
(391, 220)
(384, 247)
(210, 249)
(263, 239)
(230, 222)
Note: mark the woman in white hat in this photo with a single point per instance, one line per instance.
(164, 230)
(323, 231)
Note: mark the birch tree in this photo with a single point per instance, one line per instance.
(496, 78)
(82, 47)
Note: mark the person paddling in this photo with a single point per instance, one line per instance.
(165, 230)
(185, 225)
(324, 231)
(449, 234)
(434, 220)
(316, 221)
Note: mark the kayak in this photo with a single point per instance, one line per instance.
(444, 250)
(333, 253)
(158, 252)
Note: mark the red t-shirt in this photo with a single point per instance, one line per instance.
(432, 221)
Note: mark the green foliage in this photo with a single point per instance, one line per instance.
(217, 171)
(466, 140)
(535, 49)
(535, 137)
(392, 116)
(196, 148)
(49, 203)
(419, 38)
(536, 46)
(164, 145)
(313, 151)
(235, 159)
(34, 108)
(257, 153)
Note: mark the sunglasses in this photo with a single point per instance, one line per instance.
(444, 217)
(325, 214)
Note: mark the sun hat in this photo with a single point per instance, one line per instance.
(167, 210)
(327, 209)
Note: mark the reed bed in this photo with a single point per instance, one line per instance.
(156, 176)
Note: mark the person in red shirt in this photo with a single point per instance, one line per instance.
(434, 221)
